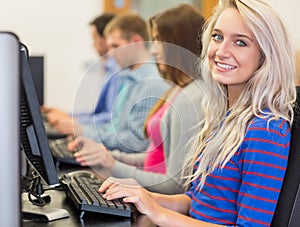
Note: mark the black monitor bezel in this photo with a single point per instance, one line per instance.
(45, 166)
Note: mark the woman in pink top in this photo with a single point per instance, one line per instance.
(172, 121)
(155, 160)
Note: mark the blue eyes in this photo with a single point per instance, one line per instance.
(217, 37)
(220, 38)
(241, 43)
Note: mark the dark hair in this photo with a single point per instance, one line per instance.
(101, 21)
(129, 24)
(182, 26)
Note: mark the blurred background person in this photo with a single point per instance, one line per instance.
(174, 119)
(140, 86)
(109, 70)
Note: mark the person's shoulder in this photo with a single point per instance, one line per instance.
(269, 123)
(150, 70)
(192, 93)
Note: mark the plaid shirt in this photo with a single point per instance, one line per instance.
(140, 90)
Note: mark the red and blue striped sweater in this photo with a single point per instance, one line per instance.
(245, 192)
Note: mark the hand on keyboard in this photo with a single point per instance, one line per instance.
(61, 153)
(92, 153)
(82, 188)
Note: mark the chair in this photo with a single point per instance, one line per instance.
(287, 213)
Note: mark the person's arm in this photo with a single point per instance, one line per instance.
(54, 114)
(163, 210)
(180, 130)
(133, 159)
(126, 132)
(93, 154)
(262, 161)
(163, 183)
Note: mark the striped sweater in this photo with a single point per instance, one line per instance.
(245, 192)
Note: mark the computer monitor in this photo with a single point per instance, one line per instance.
(34, 141)
(35, 146)
(36, 64)
(9, 129)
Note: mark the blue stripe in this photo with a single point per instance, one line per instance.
(225, 199)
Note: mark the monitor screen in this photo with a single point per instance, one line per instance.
(36, 64)
(33, 137)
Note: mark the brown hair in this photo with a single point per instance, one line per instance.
(181, 26)
(129, 24)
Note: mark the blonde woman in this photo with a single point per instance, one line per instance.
(238, 168)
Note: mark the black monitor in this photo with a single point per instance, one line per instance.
(33, 137)
(36, 64)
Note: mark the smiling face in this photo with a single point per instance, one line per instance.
(233, 52)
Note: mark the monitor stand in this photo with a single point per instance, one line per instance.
(41, 213)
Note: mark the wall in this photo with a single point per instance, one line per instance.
(289, 11)
(59, 30)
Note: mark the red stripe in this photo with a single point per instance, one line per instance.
(212, 218)
(261, 186)
(263, 164)
(229, 168)
(224, 178)
(282, 123)
(267, 141)
(241, 193)
(262, 175)
(268, 130)
(219, 198)
(221, 188)
(256, 209)
(258, 198)
(237, 191)
(265, 152)
(213, 207)
(255, 221)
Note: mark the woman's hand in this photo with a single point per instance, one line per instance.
(131, 192)
(91, 153)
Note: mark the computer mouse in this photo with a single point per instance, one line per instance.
(81, 173)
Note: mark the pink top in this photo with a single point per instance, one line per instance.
(155, 160)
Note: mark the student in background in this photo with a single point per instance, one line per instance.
(237, 170)
(140, 86)
(67, 123)
(168, 126)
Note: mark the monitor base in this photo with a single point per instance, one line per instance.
(41, 213)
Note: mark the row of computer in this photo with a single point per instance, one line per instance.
(38, 150)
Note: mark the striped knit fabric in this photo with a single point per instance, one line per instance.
(245, 192)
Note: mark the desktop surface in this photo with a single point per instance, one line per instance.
(60, 200)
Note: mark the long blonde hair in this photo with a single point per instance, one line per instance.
(271, 87)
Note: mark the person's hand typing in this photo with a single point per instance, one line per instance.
(91, 153)
(131, 192)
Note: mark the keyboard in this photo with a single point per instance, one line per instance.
(60, 152)
(82, 188)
